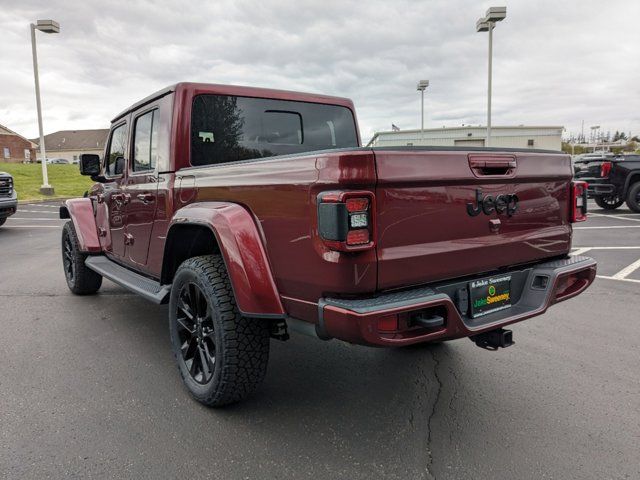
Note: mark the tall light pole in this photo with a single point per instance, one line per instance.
(594, 132)
(422, 86)
(487, 24)
(46, 26)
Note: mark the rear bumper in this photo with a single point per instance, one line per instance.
(8, 205)
(359, 321)
(598, 186)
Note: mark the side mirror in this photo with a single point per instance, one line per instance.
(89, 164)
(119, 167)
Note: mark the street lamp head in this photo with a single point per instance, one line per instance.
(48, 26)
(422, 85)
(496, 14)
(482, 25)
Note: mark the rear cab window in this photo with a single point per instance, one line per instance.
(228, 128)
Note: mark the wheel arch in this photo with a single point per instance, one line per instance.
(633, 177)
(81, 213)
(229, 229)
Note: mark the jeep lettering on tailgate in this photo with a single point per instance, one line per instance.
(502, 203)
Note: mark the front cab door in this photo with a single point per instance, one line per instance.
(113, 196)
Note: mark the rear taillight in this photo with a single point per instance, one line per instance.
(578, 210)
(346, 220)
(605, 169)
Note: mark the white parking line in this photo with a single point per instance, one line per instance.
(625, 272)
(580, 251)
(608, 227)
(39, 205)
(626, 247)
(31, 226)
(35, 211)
(618, 217)
(618, 279)
(39, 219)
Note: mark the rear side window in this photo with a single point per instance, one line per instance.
(145, 143)
(114, 160)
(226, 128)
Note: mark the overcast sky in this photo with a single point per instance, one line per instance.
(555, 62)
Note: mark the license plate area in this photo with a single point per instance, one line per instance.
(490, 295)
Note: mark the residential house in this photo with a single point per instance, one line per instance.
(70, 144)
(14, 148)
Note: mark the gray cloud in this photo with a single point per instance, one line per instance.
(554, 62)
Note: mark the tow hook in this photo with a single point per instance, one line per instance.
(494, 339)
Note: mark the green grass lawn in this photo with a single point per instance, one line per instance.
(65, 179)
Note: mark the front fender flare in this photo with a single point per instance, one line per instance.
(80, 211)
(241, 246)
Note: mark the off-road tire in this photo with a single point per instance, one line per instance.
(608, 202)
(81, 280)
(240, 345)
(633, 197)
(2, 220)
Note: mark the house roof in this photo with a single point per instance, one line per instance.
(75, 140)
(7, 131)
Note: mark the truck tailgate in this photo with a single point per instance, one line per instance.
(425, 232)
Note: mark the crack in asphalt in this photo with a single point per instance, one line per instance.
(436, 364)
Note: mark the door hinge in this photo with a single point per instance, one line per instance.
(128, 239)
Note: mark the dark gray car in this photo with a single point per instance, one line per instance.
(8, 197)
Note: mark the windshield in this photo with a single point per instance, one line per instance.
(227, 128)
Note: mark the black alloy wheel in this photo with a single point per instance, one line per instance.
(68, 258)
(221, 355)
(608, 202)
(196, 333)
(633, 197)
(81, 280)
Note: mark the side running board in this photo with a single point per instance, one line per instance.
(143, 286)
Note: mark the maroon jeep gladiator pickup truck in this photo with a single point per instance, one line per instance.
(255, 212)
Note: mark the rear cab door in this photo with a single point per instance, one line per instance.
(141, 185)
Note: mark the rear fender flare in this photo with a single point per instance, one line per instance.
(80, 211)
(244, 255)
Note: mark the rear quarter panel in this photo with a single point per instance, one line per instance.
(281, 195)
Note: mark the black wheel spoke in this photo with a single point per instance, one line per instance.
(206, 372)
(182, 323)
(67, 258)
(195, 332)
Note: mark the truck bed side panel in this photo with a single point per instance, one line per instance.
(281, 194)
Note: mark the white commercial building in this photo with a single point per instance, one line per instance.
(546, 138)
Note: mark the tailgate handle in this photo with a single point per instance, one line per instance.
(486, 165)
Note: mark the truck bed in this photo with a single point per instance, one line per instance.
(424, 232)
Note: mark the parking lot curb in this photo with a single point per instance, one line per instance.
(41, 200)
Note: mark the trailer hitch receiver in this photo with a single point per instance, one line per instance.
(494, 339)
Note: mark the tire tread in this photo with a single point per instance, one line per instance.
(86, 281)
(245, 341)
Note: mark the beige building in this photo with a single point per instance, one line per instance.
(70, 144)
(539, 137)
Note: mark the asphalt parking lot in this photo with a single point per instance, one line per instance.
(88, 386)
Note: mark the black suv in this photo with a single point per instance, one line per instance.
(612, 179)
(8, 197)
